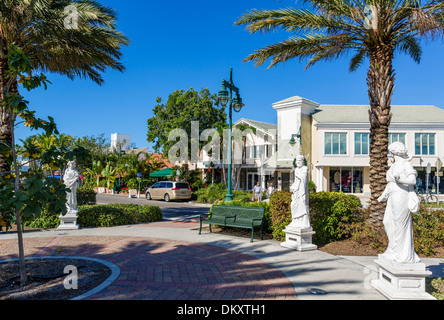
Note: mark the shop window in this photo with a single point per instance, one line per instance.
(347, 180)
(335, 143)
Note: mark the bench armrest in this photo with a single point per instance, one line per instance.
(203, 214)
(225, 219)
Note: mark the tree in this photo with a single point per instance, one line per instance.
(180, 110)
(108, 173)
(373, 29)
(75, 38)
(29, 193)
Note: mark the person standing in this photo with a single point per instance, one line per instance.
(257, 192)
(270, 190)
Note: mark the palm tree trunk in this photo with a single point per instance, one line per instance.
(380, 80)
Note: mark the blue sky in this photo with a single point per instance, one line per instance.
(193, 44)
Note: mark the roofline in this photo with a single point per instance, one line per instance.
(257, 127)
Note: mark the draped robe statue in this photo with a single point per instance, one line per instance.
(401, 203)
(70, 179)
(299, 205)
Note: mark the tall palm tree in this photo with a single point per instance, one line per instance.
(372, 29)
(75, 38)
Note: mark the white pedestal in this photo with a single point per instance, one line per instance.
(299, 239)
(402, 281)
(68, 222)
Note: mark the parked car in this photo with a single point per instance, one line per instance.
(169, 190)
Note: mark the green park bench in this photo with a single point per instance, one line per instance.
(233, 216)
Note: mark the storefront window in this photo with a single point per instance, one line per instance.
(347, 180)
(421, 180)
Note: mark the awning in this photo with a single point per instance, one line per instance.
(165, 173)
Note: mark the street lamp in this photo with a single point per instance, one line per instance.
(226, 98)
(293, 136)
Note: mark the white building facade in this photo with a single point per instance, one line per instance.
(335, 141)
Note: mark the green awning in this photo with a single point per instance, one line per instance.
(164, 173)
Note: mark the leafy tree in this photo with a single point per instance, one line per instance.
(372, 29)
(75, 38)
(108, 173)
(25, 194)
(181, 108)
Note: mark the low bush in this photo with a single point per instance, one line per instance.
(330, 214)
(86, 196)
(428, 230)
(117, 214)
(109, 215)
(280, 213)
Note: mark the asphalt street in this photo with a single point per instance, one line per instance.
(173, 210)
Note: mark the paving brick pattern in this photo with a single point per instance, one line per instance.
(162, 269)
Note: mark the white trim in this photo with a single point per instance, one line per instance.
(393, 125)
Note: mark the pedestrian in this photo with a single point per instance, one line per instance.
(257, 192)
(270, 190)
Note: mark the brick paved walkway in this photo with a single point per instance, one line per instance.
(162, 269)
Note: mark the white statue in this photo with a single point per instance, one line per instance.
(299, 205)
(71, 179)
(401, 203)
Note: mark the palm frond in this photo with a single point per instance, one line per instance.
(315, 47)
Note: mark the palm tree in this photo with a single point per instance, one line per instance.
(75, 38)
(372, 29)
(108, 173)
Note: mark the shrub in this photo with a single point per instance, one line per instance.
(86, 196)
(117, 214)
(330, 214)
(139, 214)
(46, 221)
(100, 216)
(280, 213)
(428, 230)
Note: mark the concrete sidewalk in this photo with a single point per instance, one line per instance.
(169, 260)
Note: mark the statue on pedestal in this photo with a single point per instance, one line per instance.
(402, 201)
(71, 179)
(299, 205)
(401, 274)
(298, 234)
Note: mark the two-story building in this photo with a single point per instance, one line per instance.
(335, 140)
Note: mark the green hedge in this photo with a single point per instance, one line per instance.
(330, 212)
(86, 196)
(428, 230)
(117, 214)
(109, 215)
